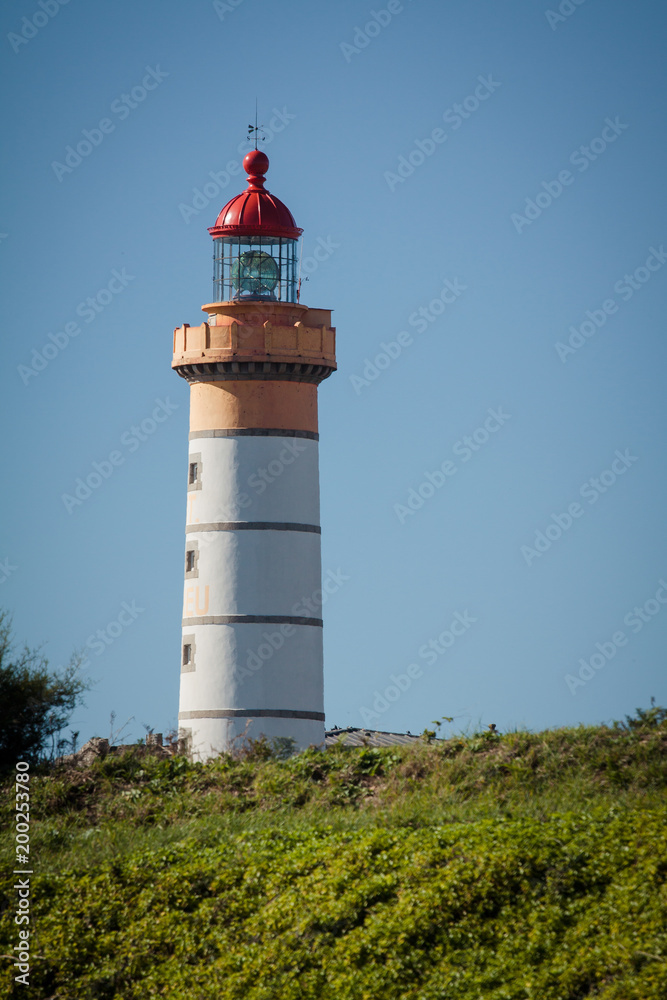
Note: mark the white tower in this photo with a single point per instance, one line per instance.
(251, 658)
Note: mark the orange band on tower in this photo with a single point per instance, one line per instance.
(253, 403)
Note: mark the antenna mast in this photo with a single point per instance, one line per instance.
(254, 130)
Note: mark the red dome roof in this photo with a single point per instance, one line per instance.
(255, 212)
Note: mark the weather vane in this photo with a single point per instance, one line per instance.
(254, 130)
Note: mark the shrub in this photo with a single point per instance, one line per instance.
(35, 705)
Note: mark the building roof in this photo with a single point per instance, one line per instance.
(352, 737)
(255, 212)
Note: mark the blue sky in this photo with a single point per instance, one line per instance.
(498, 167)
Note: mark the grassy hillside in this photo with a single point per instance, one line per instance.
(514, 867)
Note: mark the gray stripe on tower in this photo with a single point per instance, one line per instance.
(253, 526)
(254, 713)
(253, 432)
(251, 620)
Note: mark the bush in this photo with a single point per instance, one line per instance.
(35, 705)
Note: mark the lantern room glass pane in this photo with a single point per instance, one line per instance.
(254, 269)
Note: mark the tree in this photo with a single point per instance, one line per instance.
(35, 704)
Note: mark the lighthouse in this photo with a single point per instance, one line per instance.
(251, 648)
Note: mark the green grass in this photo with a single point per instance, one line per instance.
(515, 867)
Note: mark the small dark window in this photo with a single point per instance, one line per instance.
(187, 654)
(192, 476)
(189, 560)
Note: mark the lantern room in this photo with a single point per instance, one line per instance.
(255, 241)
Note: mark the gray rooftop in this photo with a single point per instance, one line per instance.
(351, 737)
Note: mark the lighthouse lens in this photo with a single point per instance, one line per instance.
(254, 267)
(255, 273)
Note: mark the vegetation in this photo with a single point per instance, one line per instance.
(35, 705)
(506, 867)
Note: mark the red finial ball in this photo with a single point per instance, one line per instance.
(256, 163)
